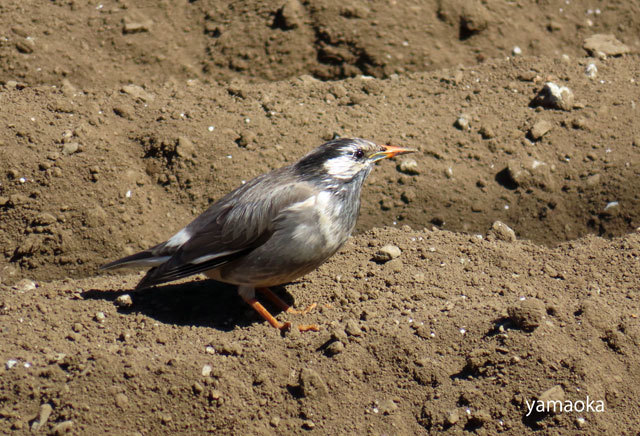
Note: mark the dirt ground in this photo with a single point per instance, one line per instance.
(122, 121)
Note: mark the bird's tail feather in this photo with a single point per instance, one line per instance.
(142, 259)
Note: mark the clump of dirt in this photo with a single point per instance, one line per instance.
(496, 267)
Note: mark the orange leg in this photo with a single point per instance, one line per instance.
(282, 305)
(265, 313)
(248, 295)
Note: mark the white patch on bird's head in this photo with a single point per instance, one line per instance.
(343, 166)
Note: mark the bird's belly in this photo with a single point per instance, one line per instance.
(271, 265)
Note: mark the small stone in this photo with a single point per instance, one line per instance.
(387, 253)
(308, 424)
(462, 122)
(43, 416)
(611, 210)
(275, 421)
(591, 71)
(63, 427)
(132, 25)
(290, 15)
(122, 401)
(527, 314)
(197, 388)
(602, 45)
(580, 123)
(452, 417)
(502, 232)
(25, 46)
(352, 328)
(124, 300)
(43, 219)
(553, 96)
(125, 111)
(387, 407)
(70, 148)
(335, 348)
(556, 393)
(206, 370)
(185, 147)
(247, 139)
(593, 180)
(24, 285)
(408, 166)
(480, 418)
(408, 196)
(138, 92)
(311, 384)
(99, 317)
(540, 129)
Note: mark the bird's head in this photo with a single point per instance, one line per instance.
(345, 159)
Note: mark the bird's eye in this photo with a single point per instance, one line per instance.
(358, 154)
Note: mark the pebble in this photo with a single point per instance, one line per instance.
(131, 26)
(603, 45)
(527, 314)
(334, 348)
(138, 92)
(311, 384)
(408, 196)
(462, 122)
(556, 393)
(290, 15)
(25, 285)
(540, 129)
(309, 424)
(70, 148)
(387, 253)
(452, 417)
(43, 416)
(408, 166)
(591, 70)
(387, 407)
(502, 232)
(275, 421)
(593, 180)
(122, 401)
(124, 300)
(25, 46)
(531, 173)
(352, 328)
(206, 370)
(99, 317)
(553, 96)
(185, 147)
(611, 209)
(63, 427)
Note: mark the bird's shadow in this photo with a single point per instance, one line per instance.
(203, 303)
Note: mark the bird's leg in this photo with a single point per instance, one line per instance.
(249, 296)
(282, 305)
(285, 307)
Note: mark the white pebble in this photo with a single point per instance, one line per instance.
(211, 128)
(10, 363)
(206, 370)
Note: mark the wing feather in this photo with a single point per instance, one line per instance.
(236, 224)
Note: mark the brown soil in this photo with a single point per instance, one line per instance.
(121, 122)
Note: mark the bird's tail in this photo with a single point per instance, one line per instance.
(143, 259)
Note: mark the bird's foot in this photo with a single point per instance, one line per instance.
(264, 313)
(282, 305)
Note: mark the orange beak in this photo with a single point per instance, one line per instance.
(390, 151)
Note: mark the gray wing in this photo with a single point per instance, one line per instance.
(231, 227)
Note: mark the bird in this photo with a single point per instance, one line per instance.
(272, 229)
